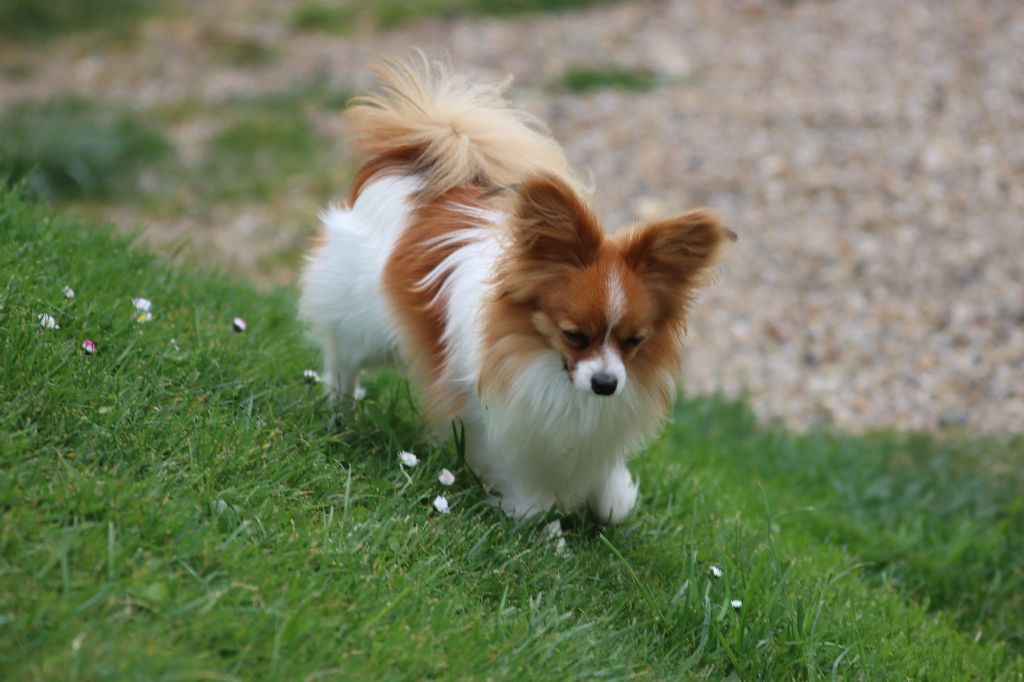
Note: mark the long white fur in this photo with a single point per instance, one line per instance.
(544, 442)
(342, 300)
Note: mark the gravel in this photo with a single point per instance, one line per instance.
(870, 155)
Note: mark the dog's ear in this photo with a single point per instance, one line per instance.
(675, 255)
(552, 225)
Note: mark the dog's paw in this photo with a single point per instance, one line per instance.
(613, 501)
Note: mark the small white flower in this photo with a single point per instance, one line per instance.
(47, 322)
(408, 459)
(311, 377)
(174, 344)
(716, 572)
(142, 304)
(89, 346)
(359, 393)
(239, 325)
(143, 317)
(69, 292)
(446, 477)
(736, 604)
(441, 504)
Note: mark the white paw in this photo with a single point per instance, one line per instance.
(613, 501)
(555, 533)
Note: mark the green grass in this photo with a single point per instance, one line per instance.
(72, 148)
(257, 153)
(185, 510)
(33, 19)
(584, 79)
(341, 16)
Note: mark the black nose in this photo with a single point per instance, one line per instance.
(603, 384)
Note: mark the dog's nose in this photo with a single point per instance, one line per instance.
(603, 383)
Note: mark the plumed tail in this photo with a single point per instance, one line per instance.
(449, 129)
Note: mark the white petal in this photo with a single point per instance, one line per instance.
(716, 572)
(441, 504)
(144, 316)
(47, 321)
(446, 477)
(408, 459)
(142, 304)
(311, 376)
(69, 292)
(736, 604)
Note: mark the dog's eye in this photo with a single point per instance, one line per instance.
(578, 339)
(632, 341)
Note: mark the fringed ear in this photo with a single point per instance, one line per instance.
(552, 231)
(553, 225)
(674, 256)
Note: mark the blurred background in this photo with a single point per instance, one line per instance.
(870, 154)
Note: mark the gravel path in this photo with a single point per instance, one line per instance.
(870, 154)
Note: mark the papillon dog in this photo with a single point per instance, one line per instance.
(469, 253)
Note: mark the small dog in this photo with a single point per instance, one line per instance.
(468, 250)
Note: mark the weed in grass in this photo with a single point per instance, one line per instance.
(314, 95)
(341, 16)
(511, 7)
(17, 71)
(317, 93)
(34, 19)
(256, 154)
(584, 79)
(71, 148)
(240, 51)
(185, 486)
(334, 17)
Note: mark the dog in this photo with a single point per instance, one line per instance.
(468, 252)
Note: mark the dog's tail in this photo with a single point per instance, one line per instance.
(451, 130)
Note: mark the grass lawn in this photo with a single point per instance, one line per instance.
(178, 506)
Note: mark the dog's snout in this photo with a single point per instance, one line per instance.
(603, 383)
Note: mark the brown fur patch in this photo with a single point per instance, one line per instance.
(397, 161)
(420, 310)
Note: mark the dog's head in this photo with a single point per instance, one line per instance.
(613, 308)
